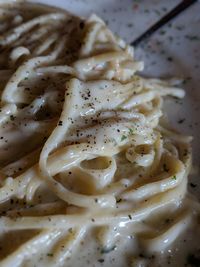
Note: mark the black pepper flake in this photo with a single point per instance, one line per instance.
(170, 59)
(12, 117)
(193, 185)
(165, 168)
(129, 25)
(181, 121)
(60, 123)
(167, 221)
(152, 257)
(101, 260)
(185, 152)
(82, 25)
(192, 37)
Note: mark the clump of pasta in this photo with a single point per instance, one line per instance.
(83, 142)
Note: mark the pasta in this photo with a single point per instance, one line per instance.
(86, 152)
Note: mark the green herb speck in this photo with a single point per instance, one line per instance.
(131, 131)
(123, 137)
(50, 254)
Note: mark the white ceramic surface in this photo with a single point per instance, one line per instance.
(172, 51)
